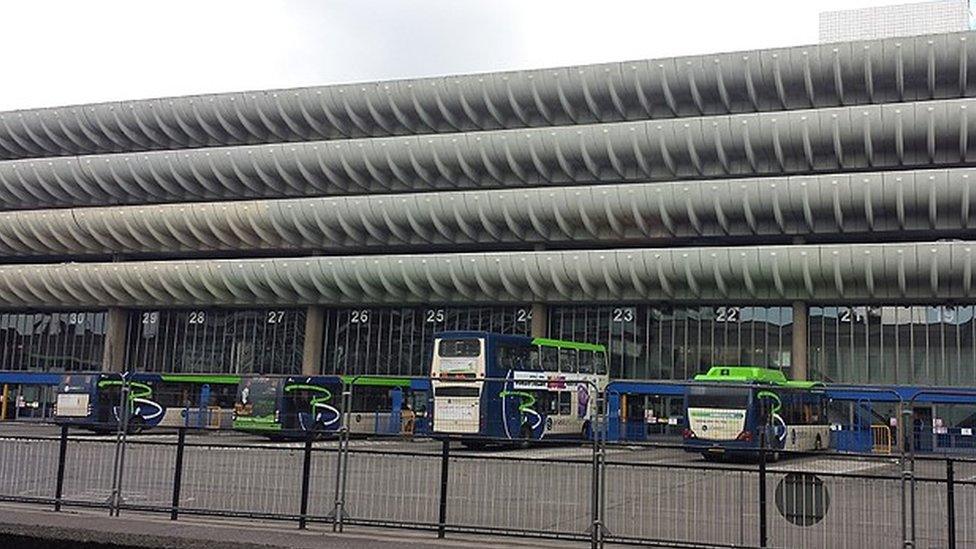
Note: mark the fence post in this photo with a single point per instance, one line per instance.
(445, 463)
(62, 455)
(178, 473)
(763, 535)
(338, 513)
(905, 441)
(951, 502)
(306, 473)
(597, 433)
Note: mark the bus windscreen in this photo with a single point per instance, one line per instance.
(459, 348)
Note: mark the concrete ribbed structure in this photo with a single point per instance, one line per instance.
(862, 272)
(910, 135)
(827, 75)
(790, 185)
(868, 203)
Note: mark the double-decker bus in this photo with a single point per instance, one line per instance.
(491, 387)
(170, 400)
(730, 408)
(289, 407)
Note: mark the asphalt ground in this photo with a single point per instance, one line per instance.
(652, 492)
(32, 526)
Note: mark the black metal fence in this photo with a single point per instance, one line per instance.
(649, 494)
(592, 490)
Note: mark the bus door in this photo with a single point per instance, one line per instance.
(635, 422)
(852, 421)
(393, 424)
(202, 416)
(106, 402)
(664, 415)
(418, 400)
(922, 428)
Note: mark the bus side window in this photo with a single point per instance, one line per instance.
(565, 403)
(550, 359)
(504, 359)
(550, 403)
(600, 363)
(535, 359)
(585, 362)
(567, 361)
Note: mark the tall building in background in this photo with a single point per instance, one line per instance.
(898, 20)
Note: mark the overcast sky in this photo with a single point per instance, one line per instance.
(64, 52)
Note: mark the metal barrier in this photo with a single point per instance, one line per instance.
(881, 437)
(650, 493)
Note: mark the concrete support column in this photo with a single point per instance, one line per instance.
(113, 353)
(799, 348)
(314, 334)
(540, 320)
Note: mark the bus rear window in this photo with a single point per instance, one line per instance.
(466, 348)
(718, 397)
(456, 392)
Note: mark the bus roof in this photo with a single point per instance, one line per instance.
(752, 374)
(524, 340)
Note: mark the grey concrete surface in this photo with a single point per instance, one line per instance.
(137, 530)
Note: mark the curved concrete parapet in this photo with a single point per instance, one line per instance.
(911, 135)
(838, 204)
(814, 76)
(862, 272)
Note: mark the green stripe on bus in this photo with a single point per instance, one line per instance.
(377, 381)
(544, 342)
(201, 378)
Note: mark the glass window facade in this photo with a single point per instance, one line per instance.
(264, 341)
(659, 342)
(64, 341)
(399, 341)
(917, 345)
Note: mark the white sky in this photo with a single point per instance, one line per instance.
(70, 51)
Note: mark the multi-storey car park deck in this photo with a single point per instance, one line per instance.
(806, 209)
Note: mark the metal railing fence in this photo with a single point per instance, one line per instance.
(586, 489)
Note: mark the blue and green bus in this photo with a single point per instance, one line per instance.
(491, 388)
(172, 400)
(290, 407)
(731, 408)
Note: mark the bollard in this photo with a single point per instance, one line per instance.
(178, 473)
(62, 455)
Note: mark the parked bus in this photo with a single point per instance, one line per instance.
(490, 387)
(170, 400)
(27, 395)
(288, 407)
(733, 406)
